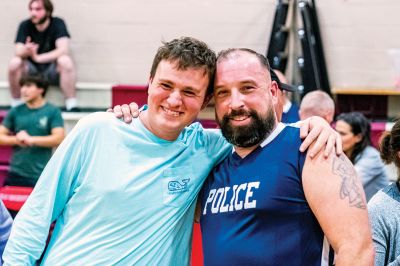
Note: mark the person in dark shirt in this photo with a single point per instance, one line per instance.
(33, 129)
(42, 47)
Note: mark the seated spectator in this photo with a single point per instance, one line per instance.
(5, 227)
(355, 130)
(317, 103)
(42, 47)
(290, 110)
(384, 207)
(38, 127)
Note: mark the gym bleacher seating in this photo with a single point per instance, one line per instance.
(122, 94)
(5, 155)
(14, 197)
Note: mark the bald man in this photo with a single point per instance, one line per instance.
(317, 103)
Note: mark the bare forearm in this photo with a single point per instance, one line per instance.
(351, 255)
(46, 141)
(50, 56)
(9, 140)
(22, 52)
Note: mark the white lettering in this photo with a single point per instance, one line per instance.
(239, 205)
(233, 197)
(251, 204)
(215, 207)
(224, 208)
(242, 197)
(210, 198)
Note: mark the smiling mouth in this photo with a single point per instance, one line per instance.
(170, 112)
(240, 118)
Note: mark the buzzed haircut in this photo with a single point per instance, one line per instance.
(187, 53)
(37, 80)
(317, 103)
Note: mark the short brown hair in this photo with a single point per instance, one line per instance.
(187, 52)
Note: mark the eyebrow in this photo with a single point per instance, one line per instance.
(185, 88)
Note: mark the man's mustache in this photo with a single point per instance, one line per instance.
(239, 112)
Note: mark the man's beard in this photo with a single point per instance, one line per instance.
(41, 21)
(249, 135)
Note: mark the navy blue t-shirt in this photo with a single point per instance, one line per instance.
(254, 210)
(292, 115)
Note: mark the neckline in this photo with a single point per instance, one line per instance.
(138, 123)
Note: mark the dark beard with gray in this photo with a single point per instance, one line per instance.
(250, 135)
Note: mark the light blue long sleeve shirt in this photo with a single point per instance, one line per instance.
(119, 196)
(5, 227)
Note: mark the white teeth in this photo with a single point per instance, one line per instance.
(239, 118)
(170, 112)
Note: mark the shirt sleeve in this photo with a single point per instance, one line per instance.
(22, 32)
(60, 29)
(9, 120)
(56, 120)
(378, 235)
(369, 166)
(380, 227)
(5, 227)
(55, 187)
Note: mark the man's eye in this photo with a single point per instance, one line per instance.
(189, 93)
(221, 93)
(165, 86)
(248, 88)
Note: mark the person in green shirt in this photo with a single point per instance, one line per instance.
(33, 129)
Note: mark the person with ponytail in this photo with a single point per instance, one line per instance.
(384, 207)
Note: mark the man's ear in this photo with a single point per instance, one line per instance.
(206, 101)
(274, 92)
(149, 83)
(150, 79)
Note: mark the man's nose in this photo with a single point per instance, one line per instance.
(175, 98)
(236, 100)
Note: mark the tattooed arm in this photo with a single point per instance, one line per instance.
(336, 197)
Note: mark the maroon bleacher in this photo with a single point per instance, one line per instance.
(208, 123)
(122, 94)
(377, 129)
(5, 155)
(14, 197)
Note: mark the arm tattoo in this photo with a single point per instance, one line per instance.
(349, 187)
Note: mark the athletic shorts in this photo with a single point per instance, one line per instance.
(48, 72)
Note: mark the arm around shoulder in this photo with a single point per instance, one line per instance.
(336, 197)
